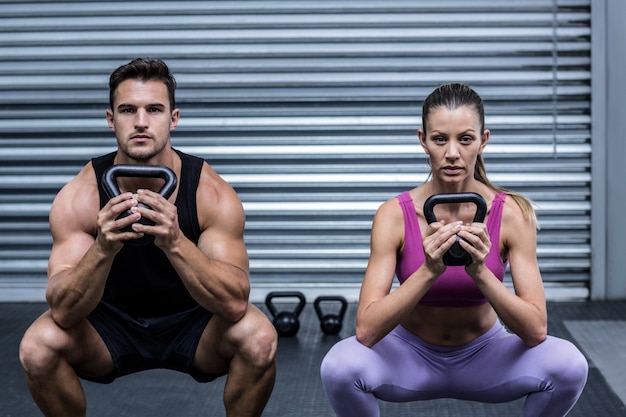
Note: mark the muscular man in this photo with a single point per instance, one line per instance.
(180, 302)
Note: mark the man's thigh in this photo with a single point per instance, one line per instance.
(80, 346)
(222, 340)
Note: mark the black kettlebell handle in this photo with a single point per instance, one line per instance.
(323, 298)
(433, 200)
(109, 183)
(285, 294)
(109, 179)
(456, 255)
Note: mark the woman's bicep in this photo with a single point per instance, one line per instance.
(385, 243)
(524, 267)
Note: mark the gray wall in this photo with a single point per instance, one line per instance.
(609, 149)
(309, 109)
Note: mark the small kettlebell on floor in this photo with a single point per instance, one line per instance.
(330, 324)
(286, 323)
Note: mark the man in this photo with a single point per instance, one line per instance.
(180, 302)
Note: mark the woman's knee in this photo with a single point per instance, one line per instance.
(344, 362)
(577, 367)
(568, 366)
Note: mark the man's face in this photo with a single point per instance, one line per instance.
(141, 118)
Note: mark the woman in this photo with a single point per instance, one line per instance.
(453, 331)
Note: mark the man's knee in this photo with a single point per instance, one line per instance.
(257, 339)
(41, 347)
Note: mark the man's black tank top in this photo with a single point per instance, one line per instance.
(142, 282)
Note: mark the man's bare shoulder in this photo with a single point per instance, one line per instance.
(78, 202)
(216, 198)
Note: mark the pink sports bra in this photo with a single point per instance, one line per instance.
(454, 288)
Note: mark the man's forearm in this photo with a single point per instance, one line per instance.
(74, 293)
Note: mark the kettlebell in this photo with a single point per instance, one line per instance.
(286, 322)
(109, 183)
(330, 323)
(456, 255)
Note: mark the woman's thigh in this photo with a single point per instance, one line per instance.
(505, 368)
(392, 370)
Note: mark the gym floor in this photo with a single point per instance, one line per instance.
(598, 328)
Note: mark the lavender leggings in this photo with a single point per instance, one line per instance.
(496, 367)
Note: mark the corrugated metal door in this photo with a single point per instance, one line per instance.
(309, 109)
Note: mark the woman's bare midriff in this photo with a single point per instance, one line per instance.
(450, 326)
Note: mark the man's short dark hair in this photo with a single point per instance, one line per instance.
(145, 69)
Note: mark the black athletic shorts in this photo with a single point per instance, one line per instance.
(168, 342)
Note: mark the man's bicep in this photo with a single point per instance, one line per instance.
(70, 239)
(222, 240)
(224, 245)
(222, 220)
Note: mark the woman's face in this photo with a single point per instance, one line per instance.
(453, 141)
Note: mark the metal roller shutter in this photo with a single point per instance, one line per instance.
(309, 109)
